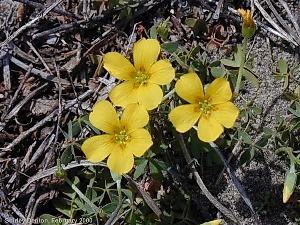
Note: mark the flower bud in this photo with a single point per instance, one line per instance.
(248, 27)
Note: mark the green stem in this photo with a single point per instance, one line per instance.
(81, 195)
(168, 94)
(240, 75)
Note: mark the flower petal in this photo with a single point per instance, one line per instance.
(209, 129)
(145, 53)
(225, 113)
(150, 95)
(161, 72)
(218, 91)
(140, 142)
(124, 94)
(189, 87)
(184, 117)
(120, 161)
(134, 117)
(104, 117)
(97, 148)
(118, 66)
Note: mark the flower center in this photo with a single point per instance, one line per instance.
(122, 137)
(141, 77)
(205, 107)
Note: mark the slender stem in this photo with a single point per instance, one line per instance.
(168, 94)
(240, 75)
(81, 195)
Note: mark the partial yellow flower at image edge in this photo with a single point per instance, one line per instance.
(213, 109)
(143, 78)
(124, 137)
(213, 222)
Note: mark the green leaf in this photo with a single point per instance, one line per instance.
(217, 72)
(296, 111)
(140, 169)
(245, 137)
(283, 67)
(170, 47)
(250, 76)
(255, 110)
(110, 207)
(228, 62)
(67, 155)
(153, 32)
(155, 170)
(47, 219)
(191, 22)
(247, 155)
(65, 206)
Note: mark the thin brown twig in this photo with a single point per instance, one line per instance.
(39, 73)
(30, 23)
(202, 186)
(41, 6)
(147, 198)
(19, 106)
(42, 122)
(53, 170)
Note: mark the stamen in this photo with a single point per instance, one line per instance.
(205, 107)
(141, 77)
(122, 137)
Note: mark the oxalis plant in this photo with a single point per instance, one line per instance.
(155, 114)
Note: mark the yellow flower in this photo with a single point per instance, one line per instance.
(249, 27)
(213, 222)
(124, 137)
(143, 78)
(213, 109)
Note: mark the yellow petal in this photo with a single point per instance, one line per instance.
(150, 95)
(97, 148)
(118, 66)
(184, 117)
(209, 129)
(134, 117)
(218, 91)
(213, 222)
(145, 53)
(189, 87)
(120, 161)
(124, 94)
(226, 113)
(140, 142)
(104, 117)
(161, 72)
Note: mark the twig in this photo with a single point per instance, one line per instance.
(113, 216)
(57, 29)
(42, 122)
(6, 72)
(43, 197)
(53, 170)
(39, 56)
(236, 181)
(279, 18)
(18, 107)
(202, 186)
(41, 6)
(216, 14)
(278, 28)
(147, 198)
(30, 23)
(39, 73)
(294, 21)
